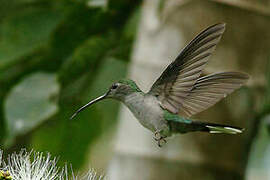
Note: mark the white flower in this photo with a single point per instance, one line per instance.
(92, 175)
(36, 166)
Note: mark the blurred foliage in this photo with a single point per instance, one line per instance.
(266, 103)
(54, 57)
(259, 153)
(30, 102)
(264, 108)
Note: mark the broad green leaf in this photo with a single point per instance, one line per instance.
(30, 102)
(25, 31)
(86, 57)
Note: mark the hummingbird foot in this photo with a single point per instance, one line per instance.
(161, 140)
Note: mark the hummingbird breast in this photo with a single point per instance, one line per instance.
(147, 110)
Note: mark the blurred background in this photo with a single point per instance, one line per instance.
(55, 56)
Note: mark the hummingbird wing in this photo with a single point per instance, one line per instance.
(208, 90)
(178, 79)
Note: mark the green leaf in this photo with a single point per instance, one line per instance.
(85, 58)
(25, 31)
(30, 103)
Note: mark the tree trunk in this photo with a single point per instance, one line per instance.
(163, 31)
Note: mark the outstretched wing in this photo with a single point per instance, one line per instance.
(208, 90)
(177, 81)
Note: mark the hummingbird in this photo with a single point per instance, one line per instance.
(180, 92)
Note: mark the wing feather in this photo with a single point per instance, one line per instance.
(181, 75)
(208, 90)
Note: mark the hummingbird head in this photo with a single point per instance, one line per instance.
(118, 90)
(121, 89)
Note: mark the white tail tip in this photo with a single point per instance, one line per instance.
(226, 130)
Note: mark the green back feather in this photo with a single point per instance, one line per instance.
(176, 118)
(131, 84)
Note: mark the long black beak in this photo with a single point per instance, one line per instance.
(89, 104)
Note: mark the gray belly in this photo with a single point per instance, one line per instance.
(148, 118)
(149, 113)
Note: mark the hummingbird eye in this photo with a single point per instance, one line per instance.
(114, 86)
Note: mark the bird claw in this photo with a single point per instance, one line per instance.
(161, 142)
(160, 139)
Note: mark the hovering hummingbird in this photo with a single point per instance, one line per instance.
(180, 92)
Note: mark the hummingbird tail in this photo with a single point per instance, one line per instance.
(204, 127)
(224, 129)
